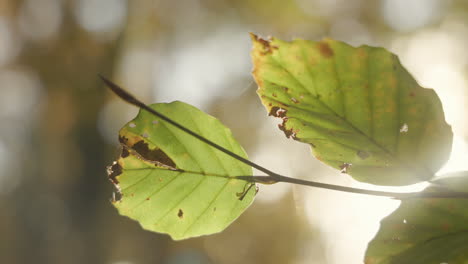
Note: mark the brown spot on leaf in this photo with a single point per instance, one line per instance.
(277, 112)
(445, 226)
(363, 154)
(344, 168)
(274, 95)
(124, 152)
(325, 49)
(113, 171)
(290, 133)
(412, 94)
(180, 214)
(123, 140)
(266, 44)
(294, 100)
(156, 155)
(147, 199)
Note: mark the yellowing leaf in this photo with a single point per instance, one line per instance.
(171, 182)
(358, 108)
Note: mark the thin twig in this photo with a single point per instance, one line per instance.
(272, 176)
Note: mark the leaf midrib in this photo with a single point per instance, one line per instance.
(371, 140)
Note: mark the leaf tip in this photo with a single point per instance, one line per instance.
(264, 46)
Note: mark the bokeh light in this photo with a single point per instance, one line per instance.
(404, 15)
(60, 125)
(40, 19)
(102, 17)
(9, 43)
(188, 70)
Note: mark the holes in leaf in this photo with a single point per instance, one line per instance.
(113, 171)
(267, 47)
(345, 167)
(404, 128)
(277, 112)
(132, 125)
(290, 133)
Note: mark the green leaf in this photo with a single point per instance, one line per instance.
(424, 230)
(358, 108)
(171, 182)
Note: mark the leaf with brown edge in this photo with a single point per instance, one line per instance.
(356, 106)
(171, 182)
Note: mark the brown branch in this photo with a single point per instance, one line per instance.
(273, 177)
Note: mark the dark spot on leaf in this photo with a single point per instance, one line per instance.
(124, 153)
(113, 171)
(123, 140)
(214, 209)
(274, 95)
(286, 89)
(363, 154)
(277, 112)
(180, 214)
(267, 47)
(325, 49)
(290, 133)
(412, 94)
(132, 194)
(156, 155)
(344, 168)
(147, 199)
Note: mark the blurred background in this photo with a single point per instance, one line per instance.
(59, 125)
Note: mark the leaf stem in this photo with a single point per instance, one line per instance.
(272, 176)
(127, 97)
